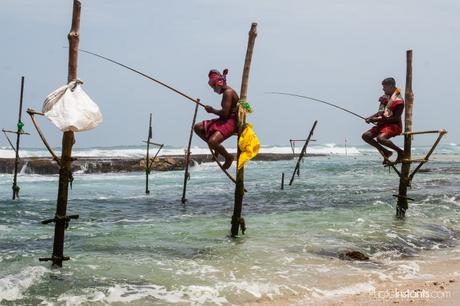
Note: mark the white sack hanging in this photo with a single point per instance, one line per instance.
(71, 109)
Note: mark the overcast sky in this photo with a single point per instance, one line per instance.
(337, 50)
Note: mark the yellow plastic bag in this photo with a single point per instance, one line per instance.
(249, 145)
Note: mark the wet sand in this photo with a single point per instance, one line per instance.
(436, 284)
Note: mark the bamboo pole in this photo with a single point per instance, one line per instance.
(293, 141)
(68, 139)
(426, 132)
(427, 156)
(197, 101)
(237, 221)
(187, 155)
(152, 160)
(404, 181)
(8, 138)
(32, 114)
(225, 171)
(147, 170)
(346, 149)
(302, 153)
(18, 138)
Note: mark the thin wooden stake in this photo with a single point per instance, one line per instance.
(346, 149)
(237, 221)
(32, 114)
(18, 137)
(65, 172)
(147, 161)
(427, 156)
(292, 143)
(187, 155)
(302, 153)
(5, 132)
(282, 181)
(404, 181)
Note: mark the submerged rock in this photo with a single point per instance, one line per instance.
(45, 165)
(353, 255)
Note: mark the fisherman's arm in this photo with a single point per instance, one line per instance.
(226, 105)
(396, 117)
(374, 117)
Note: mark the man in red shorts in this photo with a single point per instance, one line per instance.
(215, 131)
(388, 121)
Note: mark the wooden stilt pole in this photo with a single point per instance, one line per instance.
(441, 134)
(346, 149)
(405, 175)
(65, 172)
(404, 181)
(18, 137)
(292, 143)
(187, 155)
(237, 221)
(302, 153)
(147, 157)
(282, 181)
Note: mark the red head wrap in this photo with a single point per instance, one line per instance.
(216, 78)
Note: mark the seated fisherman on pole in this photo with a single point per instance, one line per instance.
(215, 131)
(388, 122)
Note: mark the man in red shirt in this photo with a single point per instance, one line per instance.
(387, 121)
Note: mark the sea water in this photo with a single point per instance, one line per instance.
(132, 248)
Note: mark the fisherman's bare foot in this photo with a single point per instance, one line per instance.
(228, 162)
(386, 156)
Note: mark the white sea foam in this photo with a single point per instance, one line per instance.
(408, 270)
(12, 287)
(194, 295)
(139, 151)
(334, 293)
(90, 295)
(196, 269)
(256, 289)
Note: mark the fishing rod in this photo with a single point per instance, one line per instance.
(317, 100)
(144, 75)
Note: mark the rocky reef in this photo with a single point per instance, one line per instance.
(45, 165)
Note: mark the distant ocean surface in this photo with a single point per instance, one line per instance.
(139, 151)
(132, 248)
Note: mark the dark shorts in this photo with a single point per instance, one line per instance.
(227, 127)
(390, 130)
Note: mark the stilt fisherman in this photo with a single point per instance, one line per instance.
(388, 122)
(215, 131)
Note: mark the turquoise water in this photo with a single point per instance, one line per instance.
(142, 250)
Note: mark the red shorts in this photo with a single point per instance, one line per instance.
(227, 127)
(391, 130)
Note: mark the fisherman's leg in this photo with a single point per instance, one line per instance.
(369, 138)
(384, 139)
(215, 143)
(199, 130)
